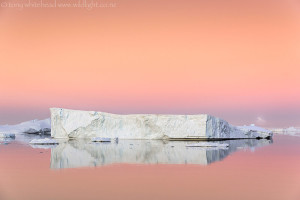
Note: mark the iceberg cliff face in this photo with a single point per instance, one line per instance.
(67, 123)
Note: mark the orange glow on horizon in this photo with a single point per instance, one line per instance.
(152, 56)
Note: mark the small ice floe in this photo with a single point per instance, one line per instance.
(7, 135)
(101, 139)
(6, 141)
(208, 144)
(43, 146)
(45, 141)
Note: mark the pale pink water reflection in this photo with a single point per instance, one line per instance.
(269, 172)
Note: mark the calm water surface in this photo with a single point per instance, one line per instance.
(247, 169)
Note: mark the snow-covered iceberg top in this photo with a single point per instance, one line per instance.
(30, 127)
(67, 123)
(46, 141)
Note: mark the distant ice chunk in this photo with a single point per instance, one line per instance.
(255, 130)
(29, 127)
(7, 135)
(44, 141)
(293, 131)
(32, 131)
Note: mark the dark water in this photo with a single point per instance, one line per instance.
(137, 169)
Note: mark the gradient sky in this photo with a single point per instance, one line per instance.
(235, 59)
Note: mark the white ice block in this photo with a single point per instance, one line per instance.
(67, 123)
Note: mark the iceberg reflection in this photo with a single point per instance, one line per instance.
(81, 153)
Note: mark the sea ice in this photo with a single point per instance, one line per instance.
(7, 135)
(44, 141)
(208, 144)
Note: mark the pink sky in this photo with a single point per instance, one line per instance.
(239, 60)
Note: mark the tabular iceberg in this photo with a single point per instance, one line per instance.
(67, 123)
